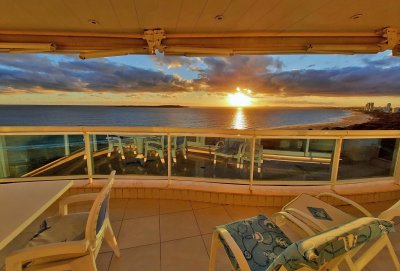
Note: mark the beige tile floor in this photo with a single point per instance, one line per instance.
(164, 235)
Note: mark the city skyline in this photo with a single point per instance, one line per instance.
(287, 80)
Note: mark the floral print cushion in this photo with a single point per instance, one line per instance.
(260, 240)
(319, 249)
(267, 248)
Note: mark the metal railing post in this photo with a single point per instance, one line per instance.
(94, 140)
(253, 147)
(4, 167)
(169, 158)
(66, 145)
(335, 161)
(396, 160)
(89, 157)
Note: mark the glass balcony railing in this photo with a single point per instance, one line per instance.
(40, 155)
(251, 157)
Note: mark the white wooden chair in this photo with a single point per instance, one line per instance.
(69, 241)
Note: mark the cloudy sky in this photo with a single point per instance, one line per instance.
(293, 80)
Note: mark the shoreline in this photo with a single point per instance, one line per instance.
(354, 118)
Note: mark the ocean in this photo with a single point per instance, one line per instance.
(223, 118)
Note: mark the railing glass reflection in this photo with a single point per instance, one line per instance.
(293, 159)
(130, 154)
(367, 158)
(35, 156)
(209, 157)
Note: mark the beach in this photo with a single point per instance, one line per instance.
(355, 117)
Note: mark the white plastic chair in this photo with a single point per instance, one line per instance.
(72, 241)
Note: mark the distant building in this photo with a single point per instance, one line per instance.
(369, 107)
(388, 108)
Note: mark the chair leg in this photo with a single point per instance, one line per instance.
(111, 240)
(85, 263)
(161, 155)
(110, 149)
(121, 149)
(392, 254)
(213, 251)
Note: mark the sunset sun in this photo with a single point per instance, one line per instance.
(240, 98)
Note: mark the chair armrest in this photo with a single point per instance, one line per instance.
(391, 213)
(348, 201)
(63, 205)
(218, 144)
(235, 249)
(16, 259)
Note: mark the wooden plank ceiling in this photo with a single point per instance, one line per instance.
(199, 27)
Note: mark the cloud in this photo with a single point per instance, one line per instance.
(263, 74)
(175, 62)
(225, 73)
(37, 73)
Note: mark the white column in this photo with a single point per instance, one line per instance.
(89, 157)
(66, 145)
(4, 167)
(396, 162)
(253, 148)
(169, 158)
(335, 161)
(94, 140)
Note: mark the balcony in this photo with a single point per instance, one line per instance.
(189, 187)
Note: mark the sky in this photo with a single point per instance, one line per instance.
(284, 80)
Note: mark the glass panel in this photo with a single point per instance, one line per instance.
(208, 157)
(293, 159)
(365, 158)
(33, 156)
(136, 154)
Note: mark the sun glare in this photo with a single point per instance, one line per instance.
(240, 99)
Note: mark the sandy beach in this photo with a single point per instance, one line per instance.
(356, 117)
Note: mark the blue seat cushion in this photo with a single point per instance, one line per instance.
(259, 239)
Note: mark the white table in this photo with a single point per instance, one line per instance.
(22, 203)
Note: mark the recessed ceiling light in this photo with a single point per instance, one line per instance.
(219, 17)
(356, 16)
(93, 21)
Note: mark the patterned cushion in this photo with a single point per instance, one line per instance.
(260, 240)
(58, 229)
(315, 251)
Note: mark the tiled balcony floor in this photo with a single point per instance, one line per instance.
(164, 235)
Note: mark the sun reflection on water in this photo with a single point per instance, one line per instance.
(239, 121)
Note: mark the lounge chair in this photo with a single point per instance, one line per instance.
(69, 241)
(159, 144)
(258, 154)
(257, 244)
(230, 148)
(320, 215)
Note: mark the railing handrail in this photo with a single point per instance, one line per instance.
(34, 130)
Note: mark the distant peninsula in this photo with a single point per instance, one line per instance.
(152, 106)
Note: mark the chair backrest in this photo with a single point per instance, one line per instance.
(98, 214)
(233, 142)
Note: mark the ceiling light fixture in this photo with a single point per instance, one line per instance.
(356, 16)
(93, 22)
(219, 17)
